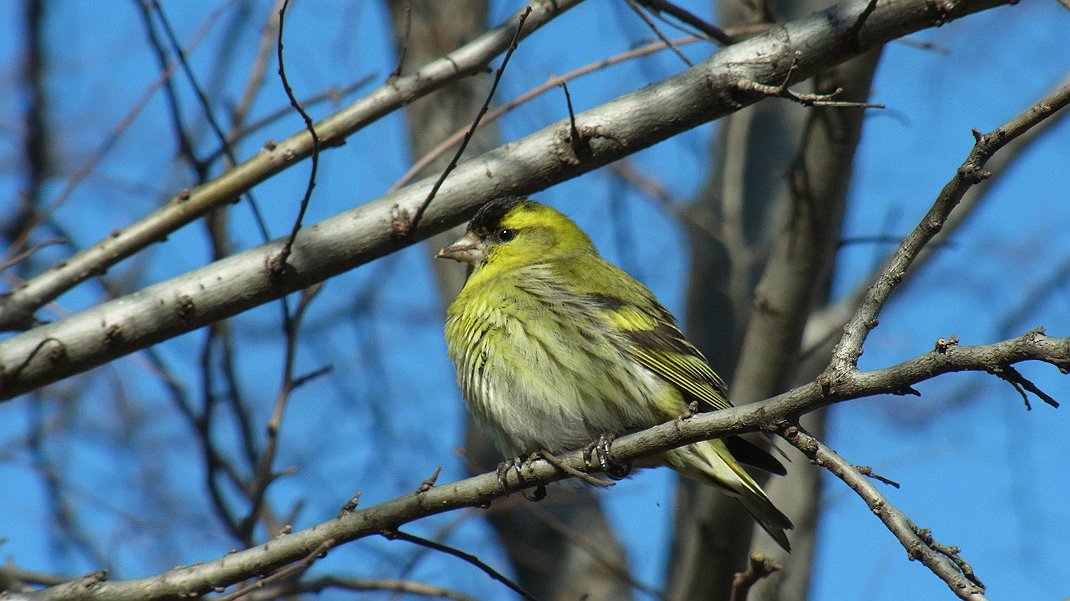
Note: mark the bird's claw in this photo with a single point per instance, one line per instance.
(518, 464)
(503, 472)
(612, 468)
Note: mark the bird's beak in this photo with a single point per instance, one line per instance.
(467, 249)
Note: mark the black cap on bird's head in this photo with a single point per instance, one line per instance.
(489, 216)
(470, 248)
(541, 232)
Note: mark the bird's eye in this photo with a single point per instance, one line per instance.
(506, 235)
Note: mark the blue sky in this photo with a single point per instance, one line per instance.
(975, 466)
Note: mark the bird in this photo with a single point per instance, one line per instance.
(556, 347)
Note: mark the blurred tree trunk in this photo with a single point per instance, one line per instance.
(566, 549)
(778, 186)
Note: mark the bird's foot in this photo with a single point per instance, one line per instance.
(503, 471)
(516, 463)
(564, 467)
(600, 450)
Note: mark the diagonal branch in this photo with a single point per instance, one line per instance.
(941, 560)
(480, 491)
(18, 307)
(614, 130)
(970, 173)
(828, 322)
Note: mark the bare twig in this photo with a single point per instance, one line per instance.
(868, 472)
(332, 95)
(580, 145)
(255, 80)
(278, 262)
(264, 474)
(942, 561)
(27, 253)
(971, 172)
(468, 557)
(561, 465)
(810, 100)
(288, 572)
(403, 47)
(1023, 385)
(407, 587)
(653, 27)
(429, 482)
(690, 18)
(415, 220)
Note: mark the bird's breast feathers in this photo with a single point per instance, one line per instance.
(527, 380)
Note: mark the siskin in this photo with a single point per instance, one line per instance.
(556, 347)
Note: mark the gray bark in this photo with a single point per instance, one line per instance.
(567, 548)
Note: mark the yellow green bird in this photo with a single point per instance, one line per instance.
(555, 347)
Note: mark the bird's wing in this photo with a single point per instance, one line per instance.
(664, 350)
(655, 341)
(653, 338)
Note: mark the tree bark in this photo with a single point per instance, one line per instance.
(751, 292)
(567, 549)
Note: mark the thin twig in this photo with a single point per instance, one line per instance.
(410, 226)
(970, 173)
(782, 90)
(468, 557)
(942, 561)
(22, 256)
(279, 261)
(690, 18)
(561, 465)
(287, 572)
(329, 95)
(653, 27)
(580, 145)
(1023, 385)
(407, 587)
(868, 472)
(404, 46)
(263, 475)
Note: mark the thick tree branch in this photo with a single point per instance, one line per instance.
(480, 491)
(18, 307)
(705, 92)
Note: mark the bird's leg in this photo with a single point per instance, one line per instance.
(613, 469)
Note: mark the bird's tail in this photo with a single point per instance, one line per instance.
(710, 462)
